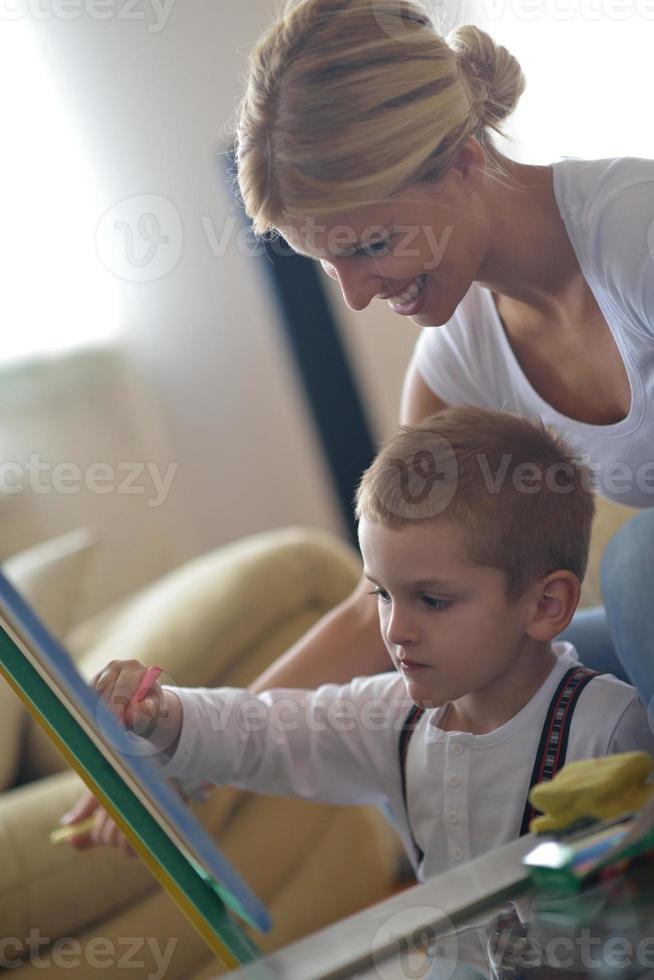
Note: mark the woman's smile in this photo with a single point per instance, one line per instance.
(411, 301)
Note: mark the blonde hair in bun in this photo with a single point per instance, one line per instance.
(348, 102)
(493, 76)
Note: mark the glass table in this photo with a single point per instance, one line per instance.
(484, 920)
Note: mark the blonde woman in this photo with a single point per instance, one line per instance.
(364, 137)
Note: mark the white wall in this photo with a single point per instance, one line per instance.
(589, 75)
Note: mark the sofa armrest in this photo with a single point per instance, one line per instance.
(609, 517)
(220, 619)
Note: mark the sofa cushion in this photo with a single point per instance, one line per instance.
(203, 620)
(51, 577)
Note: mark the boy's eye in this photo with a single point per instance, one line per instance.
(384, 596)
(436, 603)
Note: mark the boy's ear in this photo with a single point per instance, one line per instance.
(555, 599)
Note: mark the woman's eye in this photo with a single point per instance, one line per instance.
(384, 596)
(375, 248)
(436, 603)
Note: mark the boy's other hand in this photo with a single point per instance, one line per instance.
(157, 718)
(104, 831)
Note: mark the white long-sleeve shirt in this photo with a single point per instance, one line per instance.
(339, 744)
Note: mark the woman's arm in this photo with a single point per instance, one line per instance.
(346, 642)
(418, 401)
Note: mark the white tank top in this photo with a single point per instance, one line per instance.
(608, 210)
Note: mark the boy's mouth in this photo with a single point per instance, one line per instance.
(408, 666)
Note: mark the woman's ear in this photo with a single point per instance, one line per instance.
(470, 162)
(555, 600)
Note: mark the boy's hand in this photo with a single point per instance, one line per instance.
(157, 718)
(104, 831)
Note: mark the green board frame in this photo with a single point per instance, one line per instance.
(202, 898)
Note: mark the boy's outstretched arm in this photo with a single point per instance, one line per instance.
(344, 643)
(333, 745)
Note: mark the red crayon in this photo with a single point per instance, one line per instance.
(148, 681)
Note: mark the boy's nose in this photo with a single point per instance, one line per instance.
(400, 632)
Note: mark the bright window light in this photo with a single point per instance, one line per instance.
(588, 65)
(55, 294)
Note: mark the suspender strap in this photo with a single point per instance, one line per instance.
(410, 722)
(556, 730)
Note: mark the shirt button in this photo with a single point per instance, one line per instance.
(452, 818)
(457, 854)
(458, 750)
(454, 780)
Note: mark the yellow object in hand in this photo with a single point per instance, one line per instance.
(602, 788)
(71, 830)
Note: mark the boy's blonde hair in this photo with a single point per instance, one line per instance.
(348, 102)
(524, 501)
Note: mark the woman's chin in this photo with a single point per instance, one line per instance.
(424, 320)
(434, 311)
(429, 316)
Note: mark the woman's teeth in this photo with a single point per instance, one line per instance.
(410, 294)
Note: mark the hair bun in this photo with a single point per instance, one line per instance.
(492, 74)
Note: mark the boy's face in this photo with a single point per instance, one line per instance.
(445, 621)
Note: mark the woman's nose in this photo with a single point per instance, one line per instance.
(358, 289)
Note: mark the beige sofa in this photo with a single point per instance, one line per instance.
(220, 619)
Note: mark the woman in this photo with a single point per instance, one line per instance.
(364, 137)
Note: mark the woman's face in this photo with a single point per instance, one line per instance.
(430, 239)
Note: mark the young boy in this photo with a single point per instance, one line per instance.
(474, 529)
